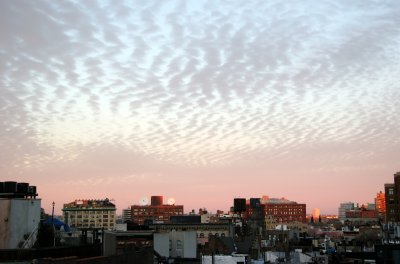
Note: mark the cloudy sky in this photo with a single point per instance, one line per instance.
(203, 101)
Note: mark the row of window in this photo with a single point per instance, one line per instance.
(201, 235)
(157, 210)
(91, 216)
(91, 222)
(284, 213)
(158, 213)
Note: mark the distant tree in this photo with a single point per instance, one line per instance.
(312, 219)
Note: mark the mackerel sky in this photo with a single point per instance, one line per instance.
(203, 101)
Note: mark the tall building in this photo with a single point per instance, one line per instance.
(390, 203)
(392, 199)
(127, 214)
(380, 203)
(156, 212)
(94, 214)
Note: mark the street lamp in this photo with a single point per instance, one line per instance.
(52, 221)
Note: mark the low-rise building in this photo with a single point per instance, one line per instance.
(176, 244)
(156, 212)
(90, 214)
(344, 207)
(282, 210)
(203, 231)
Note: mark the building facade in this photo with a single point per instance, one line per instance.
(286, 212)
(176, 244)
(392, 199)
(380, 204)
(390, 202)
(156, 212)
(19, 214)
(127, 215)
(344, 207)
(203, 231)
(90, 214)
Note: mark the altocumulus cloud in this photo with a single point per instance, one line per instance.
(197, 82)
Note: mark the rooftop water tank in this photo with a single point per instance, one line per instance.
(156, 200)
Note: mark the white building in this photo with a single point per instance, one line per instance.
(223, 259)
(174, 244)
(344, 207)
(19, 218)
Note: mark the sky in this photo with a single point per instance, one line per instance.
(203, 101)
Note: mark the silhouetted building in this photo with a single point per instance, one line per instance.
(392, 199)
(185, 219)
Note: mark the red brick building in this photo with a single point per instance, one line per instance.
(362, 213)
(156, 211)
(286, 212)
(281, 210)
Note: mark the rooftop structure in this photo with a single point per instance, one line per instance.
(19, 214)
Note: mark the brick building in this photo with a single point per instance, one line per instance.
(156, 212)
(277, 210)
(362, 213)
(286, 212)
(392, 199)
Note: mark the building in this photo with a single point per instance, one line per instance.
(380, 204)
(127, 214)
(176, 244)
(203, 231)
(362, 215)
(283, 210)
(90, 214)
(344, 207)
(156, 212)
(390, 203)
(19, 214)
(392, 199)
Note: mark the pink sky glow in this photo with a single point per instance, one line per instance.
(202, 101)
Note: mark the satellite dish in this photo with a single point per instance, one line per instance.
(171, 201)
(144, 201)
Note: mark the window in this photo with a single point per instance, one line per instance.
(178, 244)
(391, 191)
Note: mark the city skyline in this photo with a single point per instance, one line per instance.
(201, 101)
